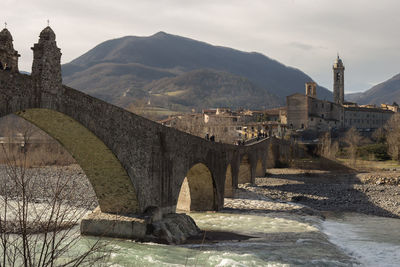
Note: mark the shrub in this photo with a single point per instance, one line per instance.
(378, 151)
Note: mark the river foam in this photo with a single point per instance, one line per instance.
(373, 241)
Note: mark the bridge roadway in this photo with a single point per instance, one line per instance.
(132, 163)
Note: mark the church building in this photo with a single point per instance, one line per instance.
(306, 111)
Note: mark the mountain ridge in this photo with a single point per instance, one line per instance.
(385, 92)
(130, 63)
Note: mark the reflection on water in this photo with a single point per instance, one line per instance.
(374, 241)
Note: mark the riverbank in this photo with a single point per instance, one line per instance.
(288, 192)
(374, 193)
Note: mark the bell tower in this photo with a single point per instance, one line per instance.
(338, 81)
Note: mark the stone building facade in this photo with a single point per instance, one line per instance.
(306, 111)
(230, 126)
(366, 118)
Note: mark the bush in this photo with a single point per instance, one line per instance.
(378, 151)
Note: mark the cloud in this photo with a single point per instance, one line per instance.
(305, 34)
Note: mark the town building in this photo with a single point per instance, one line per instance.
(231, 126)
(306, 111)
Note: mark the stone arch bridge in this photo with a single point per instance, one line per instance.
(132, 163)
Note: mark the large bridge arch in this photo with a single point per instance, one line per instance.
(198, 190)
(110, 181)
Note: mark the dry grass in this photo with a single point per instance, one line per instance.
(44, 154)
(370, 165)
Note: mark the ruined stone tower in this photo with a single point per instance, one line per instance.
(8, 56)
(338, 81)
(46, 66)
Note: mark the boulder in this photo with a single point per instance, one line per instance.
(174, 228)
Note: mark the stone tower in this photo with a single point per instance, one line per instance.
(311, 89)
(338, 81)
(46, 66)
(8, 56)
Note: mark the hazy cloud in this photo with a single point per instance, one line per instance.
(305, 34)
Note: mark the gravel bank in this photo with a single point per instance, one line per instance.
(292, 191)
(368, 193)
(44, 180)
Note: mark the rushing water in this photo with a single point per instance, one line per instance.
(373, 241)
(343, 239)
(280, 240)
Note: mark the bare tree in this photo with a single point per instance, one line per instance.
(379, 135)
(39, 217)
(327, 148)
(392, 129)
(352, 138)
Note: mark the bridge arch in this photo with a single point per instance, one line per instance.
(110, 181)
(198, 191)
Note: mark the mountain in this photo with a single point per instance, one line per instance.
(127, 68)
(209, 88)
(386, 92)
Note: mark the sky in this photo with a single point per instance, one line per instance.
(304, 34)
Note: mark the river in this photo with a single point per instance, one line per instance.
(279, 240)
(372, 240)
(275, 239)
